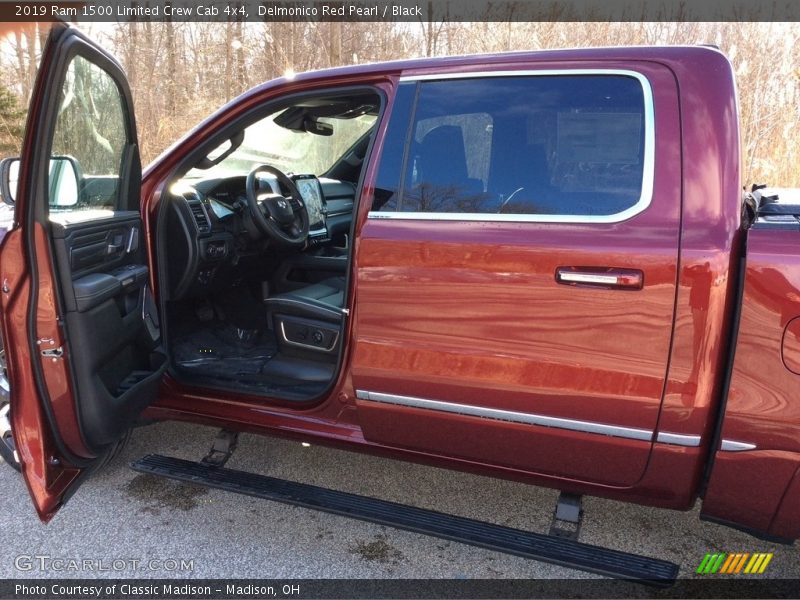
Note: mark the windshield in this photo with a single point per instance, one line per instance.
(291, 151)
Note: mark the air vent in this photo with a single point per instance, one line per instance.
(200, 216)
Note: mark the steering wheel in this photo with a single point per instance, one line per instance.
(284, 219)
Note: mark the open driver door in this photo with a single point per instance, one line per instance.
(79, 324)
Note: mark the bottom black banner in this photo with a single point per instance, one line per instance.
(200, 589)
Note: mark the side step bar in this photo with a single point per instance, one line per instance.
(559, 551)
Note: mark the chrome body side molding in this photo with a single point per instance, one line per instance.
(677, 439)
(733, 446)
(631, 433)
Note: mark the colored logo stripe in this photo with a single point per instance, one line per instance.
(740, 564)
(702, 568)
(734, 563)
(727, 564)
(718, 563)
(711, 563)
(758, 563)
(765, 563)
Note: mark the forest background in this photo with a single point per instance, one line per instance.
(181, 72)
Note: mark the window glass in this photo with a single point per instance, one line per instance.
(535, 145)
(291, 151)
(387, 183)
(88, 142)
(476, 135)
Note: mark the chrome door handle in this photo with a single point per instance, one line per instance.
(604, 277)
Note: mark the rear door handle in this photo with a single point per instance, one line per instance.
(604, 277)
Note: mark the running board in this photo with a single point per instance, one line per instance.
(536, 546)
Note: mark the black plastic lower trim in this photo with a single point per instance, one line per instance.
(730, 356)
(568, 553)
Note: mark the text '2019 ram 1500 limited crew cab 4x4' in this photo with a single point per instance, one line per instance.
(533, 266)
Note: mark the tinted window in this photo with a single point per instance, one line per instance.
(387, 183)
(537, 145)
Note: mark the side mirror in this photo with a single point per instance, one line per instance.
(64, 181)
(9, 174)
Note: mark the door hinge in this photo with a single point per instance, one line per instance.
(54, 353)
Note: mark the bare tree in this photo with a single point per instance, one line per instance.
(179, 72)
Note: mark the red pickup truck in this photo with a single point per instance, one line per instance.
(534, 266)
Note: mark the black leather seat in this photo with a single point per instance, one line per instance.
(442, 182)
(443, 160)
(322, 301)
(519, 174)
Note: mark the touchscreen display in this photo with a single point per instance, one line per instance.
(311, 191)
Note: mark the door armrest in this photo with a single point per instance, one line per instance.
(92, 290)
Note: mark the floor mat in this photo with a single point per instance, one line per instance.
(217, 353)
(213, 356)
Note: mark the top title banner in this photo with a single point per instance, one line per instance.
(401, 10)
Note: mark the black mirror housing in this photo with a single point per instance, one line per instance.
(9, 168)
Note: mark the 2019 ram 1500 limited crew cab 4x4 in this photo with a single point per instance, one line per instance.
(533, 266)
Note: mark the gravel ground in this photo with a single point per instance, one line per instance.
(122, 515)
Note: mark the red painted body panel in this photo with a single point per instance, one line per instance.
(435, 320)
(672, 474)
(786, 522)
(710, 243)
(553, 453)
(761, 409)
(46, 481)
(790, 349)
(666, 485)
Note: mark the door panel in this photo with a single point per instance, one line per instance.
(84, 359)
(436, 322)
(469, 342)
(103, 283)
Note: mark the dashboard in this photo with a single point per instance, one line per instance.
(219, 209)
(207, 236)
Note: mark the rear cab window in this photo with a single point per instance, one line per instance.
(536, 146)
